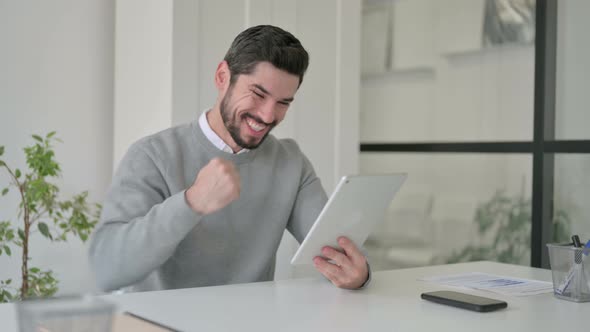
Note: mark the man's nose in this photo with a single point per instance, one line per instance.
(267, 112)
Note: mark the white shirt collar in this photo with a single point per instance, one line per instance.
(213, 137)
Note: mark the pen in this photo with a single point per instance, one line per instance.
(576, 241)
(576, 269)
(577, 244)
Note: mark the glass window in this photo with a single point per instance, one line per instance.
(572, 70)
(437, 71)
(571, 191)
(453, 207)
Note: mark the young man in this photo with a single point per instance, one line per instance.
(207, 203)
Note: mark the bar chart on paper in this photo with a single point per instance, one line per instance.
(493, 283)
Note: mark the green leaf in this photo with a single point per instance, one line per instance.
(2, 163)
(51, 134)
(17, 173)
(7, 249)
(4, 191)
(1, 150)
(5, 296)
(38, 138)
(34, 270)
(44, 229)
(8, 281)
(21, 234)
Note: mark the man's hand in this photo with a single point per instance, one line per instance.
(217, 185)
(349, 268)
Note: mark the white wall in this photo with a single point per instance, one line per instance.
(143, 71)
(56, 65)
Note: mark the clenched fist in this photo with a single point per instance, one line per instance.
(217, 185)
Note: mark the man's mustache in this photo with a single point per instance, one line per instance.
(257, 119)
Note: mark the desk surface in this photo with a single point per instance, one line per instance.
(391, 303)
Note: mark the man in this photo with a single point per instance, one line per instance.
(207, 203)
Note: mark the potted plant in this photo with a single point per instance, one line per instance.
(40, 210)
(506, 221)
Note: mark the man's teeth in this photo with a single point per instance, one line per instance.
(255, 125)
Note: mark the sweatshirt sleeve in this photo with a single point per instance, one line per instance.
(141, 223)
(310, 201)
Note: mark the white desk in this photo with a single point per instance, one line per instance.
(391, 303)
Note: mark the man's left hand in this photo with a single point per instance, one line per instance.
(348, 269)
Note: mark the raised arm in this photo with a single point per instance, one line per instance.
(141, 223)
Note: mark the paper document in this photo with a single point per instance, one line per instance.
(494, 283)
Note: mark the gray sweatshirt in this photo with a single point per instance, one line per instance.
(150, 239)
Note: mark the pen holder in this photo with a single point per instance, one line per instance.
(86, 314)
(570, 268)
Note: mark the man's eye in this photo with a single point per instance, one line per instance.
(284, 103)
(258, 94)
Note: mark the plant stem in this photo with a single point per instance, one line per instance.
(25, 258)
(24, 269)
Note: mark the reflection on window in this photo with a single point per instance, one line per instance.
(468, 207)
(452, 208)
(436, 72)
(509, 21)
(572, 184)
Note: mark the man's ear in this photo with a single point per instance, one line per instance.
(222, 76)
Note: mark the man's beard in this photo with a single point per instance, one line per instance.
(233, 124)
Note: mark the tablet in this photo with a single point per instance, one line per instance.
(358, 203)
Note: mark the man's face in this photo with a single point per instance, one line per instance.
(256, 103)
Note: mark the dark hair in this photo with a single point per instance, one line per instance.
(266, 43)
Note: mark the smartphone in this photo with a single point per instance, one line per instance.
(464, 301)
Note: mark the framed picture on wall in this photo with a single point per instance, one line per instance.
(509, 22)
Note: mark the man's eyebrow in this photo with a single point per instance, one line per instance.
(261, 88)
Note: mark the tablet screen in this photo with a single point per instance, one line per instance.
(358, 204)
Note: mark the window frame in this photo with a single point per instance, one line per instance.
(543, 147)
